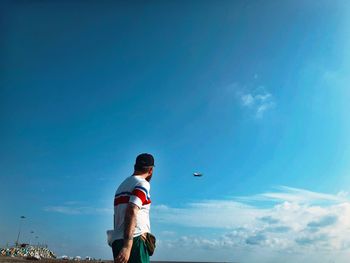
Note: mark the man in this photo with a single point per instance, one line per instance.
(131, 214)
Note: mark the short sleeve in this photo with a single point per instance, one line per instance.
(140, 195)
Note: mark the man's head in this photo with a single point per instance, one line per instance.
(144, 165)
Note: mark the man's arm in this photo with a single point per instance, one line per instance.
(129, 228)
(130, 223)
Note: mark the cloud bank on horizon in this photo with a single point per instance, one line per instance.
(289, 221)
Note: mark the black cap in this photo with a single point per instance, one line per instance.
(144, 160)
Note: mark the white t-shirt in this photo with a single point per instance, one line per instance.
(134, 190)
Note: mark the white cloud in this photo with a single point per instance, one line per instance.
(296, 195)
(76, 210)
(247, 99)
(258, 101)
(289, 220)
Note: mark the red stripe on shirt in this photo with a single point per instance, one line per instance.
(121, 200)
(147, 202)
(140, 194)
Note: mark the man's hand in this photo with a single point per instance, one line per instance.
(123, 256)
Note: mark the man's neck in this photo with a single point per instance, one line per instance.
(144, 175)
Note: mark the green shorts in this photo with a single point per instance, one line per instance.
(139, 253)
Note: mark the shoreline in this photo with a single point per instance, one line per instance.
(21, 259)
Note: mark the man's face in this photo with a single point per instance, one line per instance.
(150, 173)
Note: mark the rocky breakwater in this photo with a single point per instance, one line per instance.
(34, 252)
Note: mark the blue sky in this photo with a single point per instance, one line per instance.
(253, 94)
